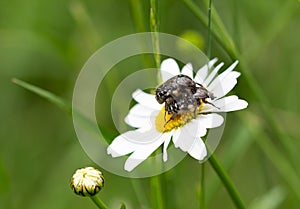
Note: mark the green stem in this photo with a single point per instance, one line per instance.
(202, 192)
(232, 191)
(154, 29)
(156, 193)
(155, 181)
(139, 191)
(98, 202)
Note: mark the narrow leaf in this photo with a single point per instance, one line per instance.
(87, 123)
(45, 94)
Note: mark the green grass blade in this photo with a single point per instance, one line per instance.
(45, 94)
(123, 206)
(59, 102)
(275, 156)
(154, 29)
(224, 39)
(277, 24)
(138, 16)
(218, 31)
(271, 200)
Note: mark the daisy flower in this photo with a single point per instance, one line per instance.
(156, 127)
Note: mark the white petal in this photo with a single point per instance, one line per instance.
(209, 108)
(141, 110)
(139, 121)
(226, 104)
(131, 141)
(196, 128)
(121, 145)
(224, 82)
(143, 153)
(145, 99)
(228, 70)
(212, 120)
(168, 69)
(198, 150)
(221, 87)
(237, 105)
(185, 138)
(188, 137)
(221, 78)
(175, 136)
(188, 70)
(225, 101)
(202, 72)
(212, 74)
(165, 154)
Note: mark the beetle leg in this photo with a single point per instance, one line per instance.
(171, 118)
(195, 112)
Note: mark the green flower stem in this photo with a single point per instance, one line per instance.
(156, 193)
(139, 191)
(98, 202)
(220, 33)
(216, 165)
(155, 181)
(241, 141)
(154, 29)
(202, 186)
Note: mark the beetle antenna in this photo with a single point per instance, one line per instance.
(211, 104)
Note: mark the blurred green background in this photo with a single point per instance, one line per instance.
(46, 43)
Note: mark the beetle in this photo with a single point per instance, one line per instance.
(181, 94)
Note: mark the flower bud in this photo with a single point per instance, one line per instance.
(87, 181)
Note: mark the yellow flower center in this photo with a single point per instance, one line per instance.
(166, 122)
